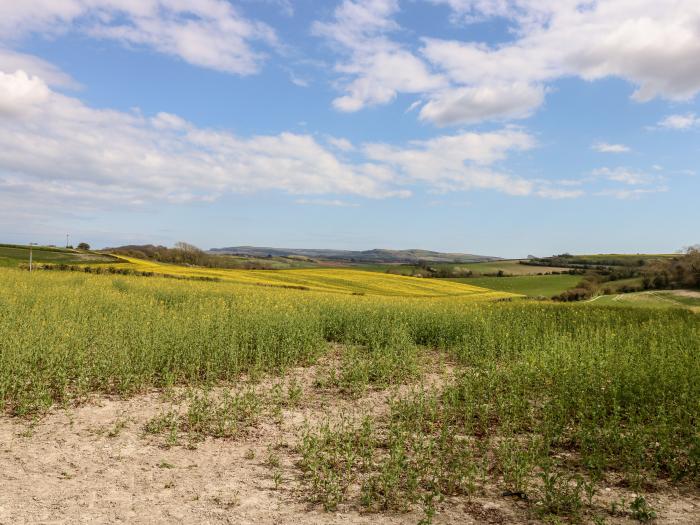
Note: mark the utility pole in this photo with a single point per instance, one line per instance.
(30, 254)
(67, 240)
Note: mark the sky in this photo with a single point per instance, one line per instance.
(493, 127)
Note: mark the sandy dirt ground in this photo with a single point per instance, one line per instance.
(95, 464)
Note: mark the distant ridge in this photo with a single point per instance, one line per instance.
(366, 256)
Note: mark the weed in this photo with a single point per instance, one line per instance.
(560, 494)
(119, 425)
(641, 510)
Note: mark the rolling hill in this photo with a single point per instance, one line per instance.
(366, 256)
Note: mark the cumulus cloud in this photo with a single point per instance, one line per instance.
(52, 143)
(206, 33)
(605, 147)
(474, 104)
(55, 149)
(459, 162)
(653, 45)
(20, 93)
(686, 121)
(375, 68)
(13, 61)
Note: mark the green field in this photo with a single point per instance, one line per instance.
(14, 255)
(625, 260)
(649, 299)
(530, 285)
(626, 257)
(508, 267)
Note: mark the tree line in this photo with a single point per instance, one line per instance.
(682, 271)
(186, 254)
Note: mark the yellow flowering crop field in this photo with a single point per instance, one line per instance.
(335, 280)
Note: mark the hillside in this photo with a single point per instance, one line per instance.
(14, 255)
(334, 280)
(366, 256)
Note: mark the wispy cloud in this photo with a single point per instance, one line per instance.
(626, 176)
(340, 143)
(206, 33)
(605, 147)
(682, 122)
(654, 48)
(336, 203)
(630, 193)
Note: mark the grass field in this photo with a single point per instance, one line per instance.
(547, 403)
(508, 267)
(14, 255)
(529, 285)
(627, 257)
(605, 259)
(648, 299)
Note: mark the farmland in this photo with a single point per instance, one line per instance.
(652, 299)
(332, 280)
(507, 267)
(407, 403)
(529, 285)
(14, 255)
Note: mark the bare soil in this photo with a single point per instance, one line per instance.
(94, 464)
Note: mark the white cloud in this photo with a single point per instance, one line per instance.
(653, 45)
(297, 80)
(55, 151)
(474, 104)
(20, 93)
(334, 203)
(559, 193)
(376, 68)
(605, 147)
(630, 194)
(625, 176)
(14, 61)
(54, 144)
(340, 143)
(472, 11)
(206, 33)
(687, 121)
(458, 162)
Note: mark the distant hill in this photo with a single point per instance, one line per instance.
(367, 256)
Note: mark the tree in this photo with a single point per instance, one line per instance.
(83, 246)
(187, 247)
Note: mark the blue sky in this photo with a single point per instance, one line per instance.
(503, 128)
